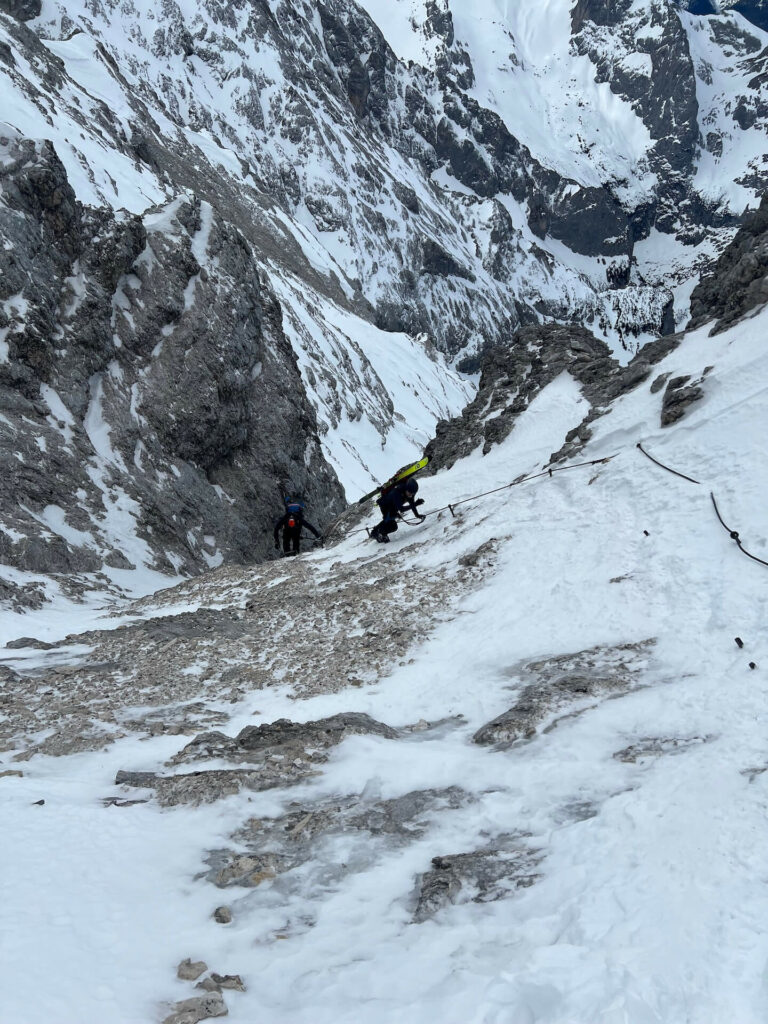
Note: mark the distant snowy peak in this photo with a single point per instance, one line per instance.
(440, 168)
(639, 104)
(755, 11)
(607, 94)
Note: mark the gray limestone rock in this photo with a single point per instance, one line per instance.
(277, 846)
(482, 876)
(28, 641)
(283, 753)
(228, 981)
(559, 687)
(738, 282)
(283, 739)
(141, 780)
(679, 394)
(24, 10)
(191, 1011)
(141, 382)
(658, 746)
(512, 375)
(189, 970)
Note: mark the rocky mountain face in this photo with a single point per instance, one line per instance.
(738, 283)
(755, 11)
(147, 386)
(240, 240)
(511, 377)
(422, 180)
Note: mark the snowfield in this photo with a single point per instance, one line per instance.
(620, 835)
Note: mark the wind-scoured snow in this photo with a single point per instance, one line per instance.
(643, 807)
(547, 96)
(734, 143)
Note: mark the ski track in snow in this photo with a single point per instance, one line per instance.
(650, 903)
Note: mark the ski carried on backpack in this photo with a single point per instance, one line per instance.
(402, 474)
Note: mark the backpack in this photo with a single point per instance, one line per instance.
(295, 512)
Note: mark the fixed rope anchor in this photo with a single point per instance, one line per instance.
(450, 508)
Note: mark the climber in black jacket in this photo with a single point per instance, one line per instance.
(394, 501)
(292, 524)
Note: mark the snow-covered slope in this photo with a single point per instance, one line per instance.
(553, 812)
(522, 148)
(509, 768)
(407, 182)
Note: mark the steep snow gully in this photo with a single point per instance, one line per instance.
(511, 768)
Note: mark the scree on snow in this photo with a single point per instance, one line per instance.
(383, 522)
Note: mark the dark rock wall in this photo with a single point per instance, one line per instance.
(148, 390)
(739, 280)
(512, 376)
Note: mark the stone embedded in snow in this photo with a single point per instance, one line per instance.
(277, 846)
(189, 970)
(286, 753)
(28, 641)
(228, 981)
(485, 550)
(678, 395)
(560, 686)
(291, 742)
(191, 1011)
(481, 876)
(245, 870)
(208, 786)
(659, 746)
(222, 915)
(143, 780)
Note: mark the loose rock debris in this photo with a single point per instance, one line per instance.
(175, 675)
(557, 687)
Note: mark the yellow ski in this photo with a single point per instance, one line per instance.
(401, 474)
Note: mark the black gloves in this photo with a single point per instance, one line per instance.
(419, 502)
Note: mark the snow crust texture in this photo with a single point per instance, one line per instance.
(510, 767)
(239, 240)
(516, 752)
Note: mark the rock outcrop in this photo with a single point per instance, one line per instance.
(738, 282)
(512, 376)
(153, 410)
